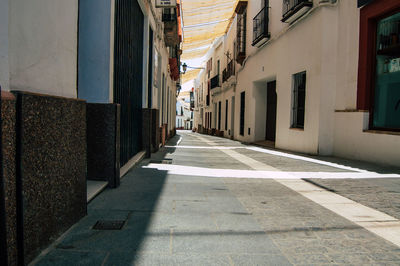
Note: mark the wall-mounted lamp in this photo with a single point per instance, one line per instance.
(178, 89)
(185, 67)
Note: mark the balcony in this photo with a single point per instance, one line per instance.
(174, 68)
(169, 17)
(241, 7)
(293, 9)
(228, 71)
(215, 82)
(260, 27)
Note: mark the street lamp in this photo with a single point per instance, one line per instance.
(178, 89)
(185, 67)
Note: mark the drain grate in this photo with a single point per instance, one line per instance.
(109, 225)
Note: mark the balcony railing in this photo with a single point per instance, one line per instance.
(228, 71)
(293, 9)
(215, 82)
(260, 27)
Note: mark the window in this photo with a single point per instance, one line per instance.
(226, 115)
(293, 9)
(260, 25)
(298, 99)
(209, 67)
(386, 108)
(240, 49)
(378, 55)
(242, 109)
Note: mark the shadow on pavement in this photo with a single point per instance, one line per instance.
(134, 204)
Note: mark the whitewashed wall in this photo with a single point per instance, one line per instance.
(350, 138)
(296, 50)
(43, 46)
(4, 66)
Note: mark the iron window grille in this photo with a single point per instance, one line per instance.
(260, 25)
(298, 100)
(228, 71)
(215, 82)
(291, 7)
(240, 49)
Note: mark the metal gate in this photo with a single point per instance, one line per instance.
(128, 58)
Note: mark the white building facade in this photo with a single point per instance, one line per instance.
(295, 80)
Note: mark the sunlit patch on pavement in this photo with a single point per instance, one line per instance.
(230, 173)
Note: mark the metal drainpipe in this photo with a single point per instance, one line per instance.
(3, 228)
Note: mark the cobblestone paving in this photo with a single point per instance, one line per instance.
(307, 233)
(379, 194)
(173, 219)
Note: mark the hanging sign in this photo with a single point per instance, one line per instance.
(165, 3)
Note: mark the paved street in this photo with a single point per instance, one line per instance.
(204, 200)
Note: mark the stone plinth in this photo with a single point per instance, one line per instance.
(103, 143)
(8, 114)
(51, 154)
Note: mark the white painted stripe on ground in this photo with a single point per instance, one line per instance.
(179, 141)
(268, 173)
(205, 147)
(303, 158)
(281, 154)
(375, 221)
(256, 165)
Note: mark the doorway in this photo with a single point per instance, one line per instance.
(270, 131)
(128, 73)
(231, 133)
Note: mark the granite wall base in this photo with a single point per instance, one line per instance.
(155, 133)
(103, 143)
(150, 131)
(146, 131)
(8, 116)
(51, 173)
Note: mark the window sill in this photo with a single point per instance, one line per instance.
(384, 132)
(351, 111)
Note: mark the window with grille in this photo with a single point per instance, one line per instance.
(240, 49)
(298, 99)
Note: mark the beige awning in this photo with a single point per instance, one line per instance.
(203, 22)
(190, 75)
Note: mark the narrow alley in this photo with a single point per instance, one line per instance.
(204, 200)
